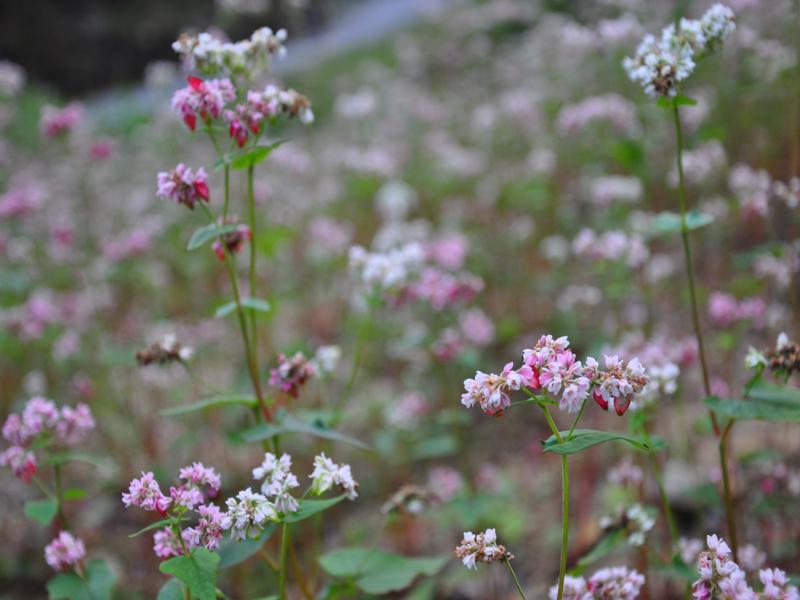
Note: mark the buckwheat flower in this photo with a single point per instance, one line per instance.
(754, 358)
(167, 351)
(199, 475)
(209, 527)
(617, 383)
(291, 103)
(55, 122)
(166, 543)
(232, 241)
(74, 424)
(14, 430)
(574, 589)
(327, 473)
(717, 24)
(481, 547)
(326, 358)
(247, 514)
(244, 58)
(205, 99)
(146, 494)
(64, 551)
(658, 68)
(39, 414)
(776, 585)
(183, 186)
(491, 391)
(616, 582)
(564, 376)
(291, 373)
(185, 496)
(21, 461)
(476, 327)
(272, 465)
(751, 558)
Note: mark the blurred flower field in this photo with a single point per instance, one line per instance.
(503, 305)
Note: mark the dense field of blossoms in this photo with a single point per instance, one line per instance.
(503, 306)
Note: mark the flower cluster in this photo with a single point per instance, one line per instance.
(387, 271)
(292, 373)
(278, 482)
(65, 550)
(40, 425)
(618, 583)
(617, 383)
(327, 473)
(55, 122)
(783, 360)
(183, 186)
(660, 66)
(248, 117)
(168, 350)
(203, 98)
(721, 577)
(551, 366)
(481, 547)
(724, 309)
(213, 56)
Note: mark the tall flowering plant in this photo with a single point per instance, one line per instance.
(551, 375)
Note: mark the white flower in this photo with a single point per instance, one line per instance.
(247, 514)
(327, 473)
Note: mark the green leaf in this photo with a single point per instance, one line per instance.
(171, 590)
(290, 424)
(254, 304)
(156, 525)
(234, 552)
(98, 584)
(207, 233)
(755, 410)
(74, 494)
(209, 403)
(41, 511)
(586, 438)
(377, 571)
(198, 572)
(669, 222)
(308, 508)
(254, 156)
(774, 393)
(679, 100)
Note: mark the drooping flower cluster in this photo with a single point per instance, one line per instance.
(327, 473)
(291, 374)
(660, 66)
(481, 547)
(248, 117)
(202, 98)
(613, 583)
(56, 122)
(40, 426)
(183, 186)
(618, 383)
(64, 551)
(721, 578)
(168, 350)
(212, 56)
(552, 367)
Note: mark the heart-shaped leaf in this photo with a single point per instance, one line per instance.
(198, 571)
(586, 438)
(207, 233)
(41, 511)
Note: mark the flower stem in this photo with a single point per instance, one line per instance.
(284, 560)
(562, 570)
(733, 533)
(687, 252)
(552, 424)
(251, 205)
(578, 418)
(62, 517)
(514, 577)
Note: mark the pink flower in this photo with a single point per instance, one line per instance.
(64, 551)
(21, 461)
(199, 475)
(618, 383)
(204, 98)
(101, 149)
(40, 414)
(233, 241)
(185, 496)
(56, 121)
(491, 391)
(74, 424)
(146, 494)
(449, 252)
(209, 528)
(21, 201)
(166, 544)
(183, 186)
(477, 328)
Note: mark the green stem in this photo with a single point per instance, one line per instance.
(578, 418)
(62, 517)
(514, 577)
(562, 569)
(552, 424)
(733, 534)
(284, 560)
(251, 204)
(729, 516)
